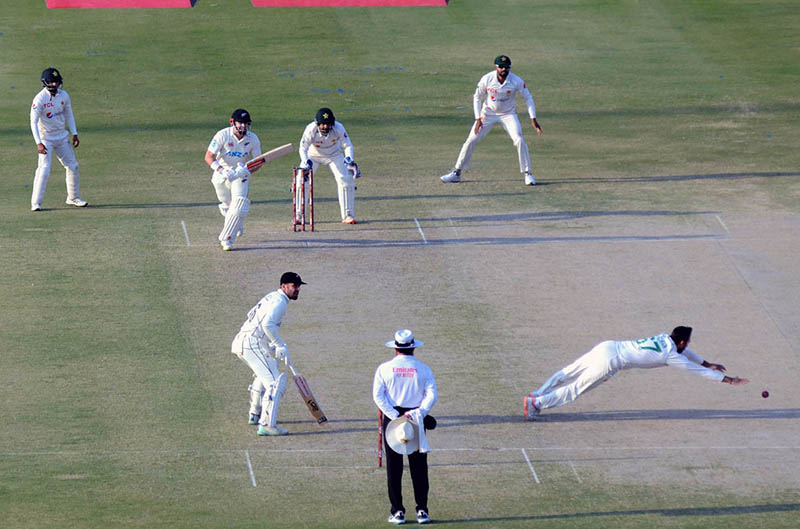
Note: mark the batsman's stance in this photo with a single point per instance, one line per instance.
(227, 154)
(325, 142)
(609, 357)
(256, 341)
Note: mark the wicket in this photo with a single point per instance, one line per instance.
(299, 198)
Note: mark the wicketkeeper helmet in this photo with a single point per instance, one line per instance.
(325, 115)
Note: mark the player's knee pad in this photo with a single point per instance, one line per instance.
(240, 206)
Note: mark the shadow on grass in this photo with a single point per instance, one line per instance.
(732, 510)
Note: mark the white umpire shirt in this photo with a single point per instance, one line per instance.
(265, 318)
(659, 351)
(406, 382)
(314, 144)
(500, 98)
(229, 150)
(49, 114)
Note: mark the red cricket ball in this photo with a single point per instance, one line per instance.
(765, 394)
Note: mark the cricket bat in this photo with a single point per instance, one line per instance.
(308, 396)
(380, 438)
(268, 156)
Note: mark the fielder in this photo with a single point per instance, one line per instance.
(256, 341)
(495, 101)
(50, 111)
(325, 142)
(227, 154)
(607, 358)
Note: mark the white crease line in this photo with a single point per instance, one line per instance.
(420, 231)
(535, 477)
(574, 471)
(723, 224)
(250, 468)
(185, 233)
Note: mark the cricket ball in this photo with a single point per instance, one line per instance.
(765, 393)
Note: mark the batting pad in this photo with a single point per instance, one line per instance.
(346, 3)
(118, 4)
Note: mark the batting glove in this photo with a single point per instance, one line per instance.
(282, 353)
(230, 174)
(242, 171)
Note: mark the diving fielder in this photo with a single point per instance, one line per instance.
(227, 154)
(256, 341)
(50, 111)
(325, 142)
(609, 357)
(495, 101)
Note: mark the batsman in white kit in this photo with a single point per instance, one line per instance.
(607, 358)
(227, 155)
(50, 112)
(325, 142)
(256, 343)
(494, 101)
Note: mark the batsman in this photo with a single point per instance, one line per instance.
(260, 346)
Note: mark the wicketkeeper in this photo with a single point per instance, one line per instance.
(256, 343)
(325, 142)
(227, 154)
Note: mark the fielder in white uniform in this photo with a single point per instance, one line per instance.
(605, 359)
(256, 341)
(50, 112)
(495, 101)
(325, 142)
(227, 154)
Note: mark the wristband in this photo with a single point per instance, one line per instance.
(215, 166)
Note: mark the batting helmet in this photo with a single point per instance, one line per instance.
(241, 115)
(51, 75)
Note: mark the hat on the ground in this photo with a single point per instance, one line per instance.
(404, 339)
(402, 435)
(502, 60)
(291, 277)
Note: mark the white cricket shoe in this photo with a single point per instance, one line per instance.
(529, 407)
(272, 430)
(452, 177)
(422, 517)
(78, 202)
(36, 207)
(226, 246)
(529, 179)
(398, 518)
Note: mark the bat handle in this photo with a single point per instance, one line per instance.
(291, 367)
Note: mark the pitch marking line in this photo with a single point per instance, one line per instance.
(574, 471)
(185, 233)
(535, 477)
(719, 219)
(250, 468)
(424, 240)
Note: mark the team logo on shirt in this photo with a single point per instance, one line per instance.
(230, 144)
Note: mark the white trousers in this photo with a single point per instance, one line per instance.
(510, 123)
(265, 369)
(226, 189)
(64, 153)
(345, 182)
(582, 375)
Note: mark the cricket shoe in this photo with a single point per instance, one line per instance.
(398, 518)
(253, 419)
(227, 246)
(78, 202)
(349, 220)
(529, 407)
(452, 177)
(272, 430)
(529, 179)
(422, 517)
(36, 207)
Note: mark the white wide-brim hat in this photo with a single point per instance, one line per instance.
(404, 339)
(402, 435)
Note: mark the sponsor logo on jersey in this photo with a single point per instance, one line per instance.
(236, 154)
(230, 144)
(49, 115)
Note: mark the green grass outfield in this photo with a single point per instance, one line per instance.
(667, 193)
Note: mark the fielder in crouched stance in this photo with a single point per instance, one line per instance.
(404, 388)
(256, 341)
(227, 154)
(325, 142)
(607, 358)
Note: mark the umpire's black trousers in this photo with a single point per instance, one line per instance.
(417, 465)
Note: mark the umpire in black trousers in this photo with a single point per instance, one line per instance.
(406, 386)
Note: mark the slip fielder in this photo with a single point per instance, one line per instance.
(227, 154)
(494, 101)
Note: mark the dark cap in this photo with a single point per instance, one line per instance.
(325, 115)
(502, 60)
(291, 277)
(50, 75)
(241, 115)
(681, 334)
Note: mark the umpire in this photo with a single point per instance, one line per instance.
(405, 386)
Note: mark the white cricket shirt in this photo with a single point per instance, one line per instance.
(313, 143)
(659, 351)
(229, 150)
(500, 98)
(265, 318)
(49, 114)
(406, 382)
